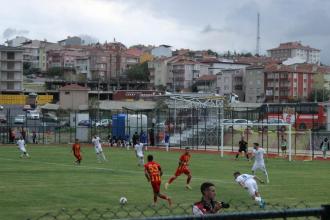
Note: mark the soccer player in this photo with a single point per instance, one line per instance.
(249, 183)
(208, 204)
(259, 163)
(76, 151)
(21, 146)
(139, 153)
(182, 168)
(153, 173)
(98, 148)
(242, 147)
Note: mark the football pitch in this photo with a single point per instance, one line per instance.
(50, 181)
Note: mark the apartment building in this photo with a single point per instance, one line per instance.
(11, 69)
(254, 84)
(295, 49)
(287, 83)
(231, 81)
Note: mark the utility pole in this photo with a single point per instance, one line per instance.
(258, 35)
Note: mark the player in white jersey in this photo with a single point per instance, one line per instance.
(259, 162)
(98, 148)
(21, 147)
(139, 152)
(249, 183)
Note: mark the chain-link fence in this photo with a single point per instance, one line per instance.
(238, 210)
(178, 125)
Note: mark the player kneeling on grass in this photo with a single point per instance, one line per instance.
(208, 204)
(21, 146)
(182, 168)
(76, 151)
(153, 173)
(249, 183)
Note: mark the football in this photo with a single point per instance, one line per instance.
(122, 200)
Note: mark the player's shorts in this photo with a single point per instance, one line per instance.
(283, 148)
(242, 149)
(259, 166)
(22, 149)
(251, 186)
(98, 149)
(156, 186)
(182, 170)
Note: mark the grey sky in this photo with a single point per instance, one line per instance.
(208, 24)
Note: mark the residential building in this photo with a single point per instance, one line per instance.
(231, 81)
(17, 41)
(82, 66)
(295, 49)
(216, 65)
(288, 83)
(72, 96)
(11, 69)
(159, 71)
(254, 84)
(70, 41)
(206, 83)
(162, 51)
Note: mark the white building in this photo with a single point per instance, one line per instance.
(17, 41)
(295, 49)
(11, 69)
(162, 51)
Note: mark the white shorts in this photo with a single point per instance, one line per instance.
(98, 149)
(260, 166)
(22, 149)
(252, 187)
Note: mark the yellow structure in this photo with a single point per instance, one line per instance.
(146, 57)
(21, 99)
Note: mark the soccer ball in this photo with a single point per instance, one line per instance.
(122, 200)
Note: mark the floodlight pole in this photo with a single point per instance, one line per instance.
(290, 142)
(222, 140)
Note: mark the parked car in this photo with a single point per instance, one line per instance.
(49, 117)
(241, 124)
(19, 119)
(104, 123)
(33, 115)
(274, 124)
(3, 119)
(85, 123)
(27, 107)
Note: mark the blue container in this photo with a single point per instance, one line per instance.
(118, 126)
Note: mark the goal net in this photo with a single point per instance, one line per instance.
(275, 137)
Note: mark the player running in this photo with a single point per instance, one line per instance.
(98, 148)
(259, 163)
(153, 173)
(21, 146)
(242, 148)
(76, 151)
(182, 168)
(139, 152)
(249, 183)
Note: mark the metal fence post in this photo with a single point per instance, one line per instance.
(325, 215)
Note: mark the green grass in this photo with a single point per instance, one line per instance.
(50, 181)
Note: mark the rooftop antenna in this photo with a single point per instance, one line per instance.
(258, 36)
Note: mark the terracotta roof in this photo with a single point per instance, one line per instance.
(74, 87)
(293, 45)
(134, 52)
(207, 78)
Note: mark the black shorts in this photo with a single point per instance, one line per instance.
(242, 149)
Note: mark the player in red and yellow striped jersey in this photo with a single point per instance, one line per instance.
(153, 173)
(182, 168)
(76, 151)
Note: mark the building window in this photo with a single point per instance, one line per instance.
(10, 55)
(67, 93)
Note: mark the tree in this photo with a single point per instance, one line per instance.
(138, 72)
(319, 95)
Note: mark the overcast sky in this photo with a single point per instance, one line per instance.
(195, 24)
